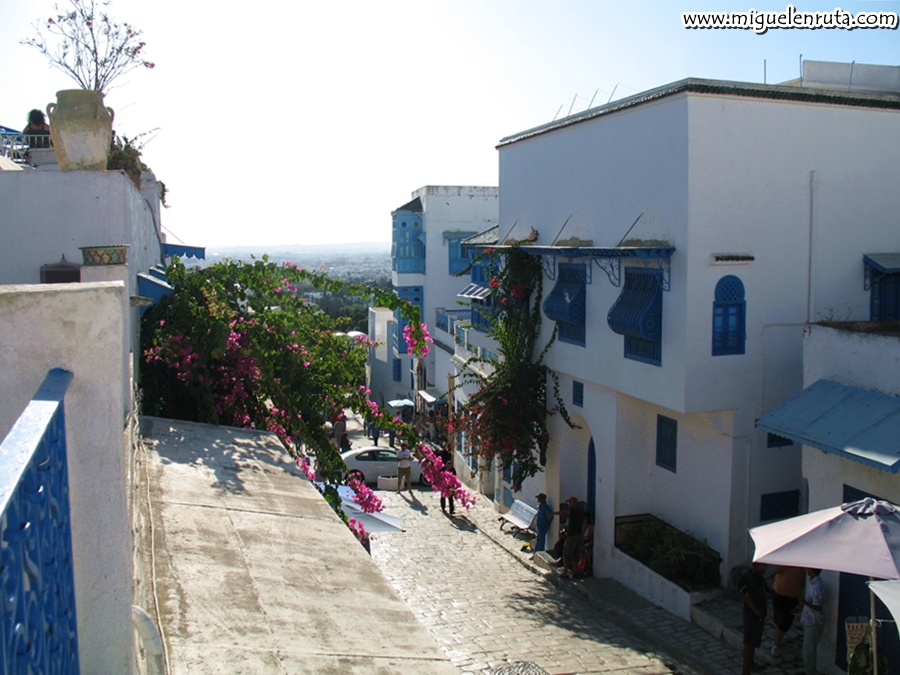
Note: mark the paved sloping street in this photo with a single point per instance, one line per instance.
(488, 610)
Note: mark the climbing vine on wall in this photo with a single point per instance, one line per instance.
(506, 417)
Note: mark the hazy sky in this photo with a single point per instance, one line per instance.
(308, 123)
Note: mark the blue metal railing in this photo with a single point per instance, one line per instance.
(38, 629)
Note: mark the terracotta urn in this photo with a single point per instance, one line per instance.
(81, 129)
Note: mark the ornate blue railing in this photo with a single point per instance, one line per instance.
(38, 630)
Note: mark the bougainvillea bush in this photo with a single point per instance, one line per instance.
(235, 344)
(506, 417)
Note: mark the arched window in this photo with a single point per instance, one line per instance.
(729, 317)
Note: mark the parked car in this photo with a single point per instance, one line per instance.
(374, 461)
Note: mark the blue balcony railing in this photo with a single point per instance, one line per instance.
(38, 629)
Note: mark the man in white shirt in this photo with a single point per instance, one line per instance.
(404, 467)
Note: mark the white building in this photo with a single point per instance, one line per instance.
(426, 256)
(702, 225)
(847, 419)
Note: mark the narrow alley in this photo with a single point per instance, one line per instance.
(485, 609)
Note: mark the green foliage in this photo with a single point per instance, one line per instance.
(236, 344)
(507, 417)
(671, 553)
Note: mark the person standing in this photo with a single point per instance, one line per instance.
(37, 132)
(753, 588)
(812, 618)
(574, 547)
(542, 521)
(404, 467)
(786, 589)
(447, 459)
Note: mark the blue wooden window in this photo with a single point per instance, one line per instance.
(729, 317)
(666, 443)
(637, 315)
(779, 505)
(396, 367)
(407, 245)
(884, 301)
(578, 394)
(776, 441)
(457, 259)
(566, 304)
(414, 295)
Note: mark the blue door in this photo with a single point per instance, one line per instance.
(592, 477)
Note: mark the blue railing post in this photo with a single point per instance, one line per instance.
(38, 628)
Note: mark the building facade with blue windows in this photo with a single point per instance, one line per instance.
(426, 256)
(687, 235)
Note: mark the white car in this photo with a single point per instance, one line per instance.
(374, 461)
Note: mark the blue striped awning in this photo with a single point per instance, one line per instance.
(858, 424)
(182, 251)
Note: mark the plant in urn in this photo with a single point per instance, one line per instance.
(94, 50)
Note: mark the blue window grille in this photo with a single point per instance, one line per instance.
(666, 443)
(441, 320)
(637, 315)
(566, 303)
(776, 441)
(37, 622)
(396, 367)
(779, 505)
(578, 394)
(729, 317)
(407, 242)
(414, 295)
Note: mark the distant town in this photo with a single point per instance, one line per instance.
(369, 262)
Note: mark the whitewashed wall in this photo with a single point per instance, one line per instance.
(806, 189)
(50, 213)
(79, 327)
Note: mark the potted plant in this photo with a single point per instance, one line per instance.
(94, 50)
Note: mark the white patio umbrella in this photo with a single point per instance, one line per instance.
(889, 592)
(401, 403)
(860, 537)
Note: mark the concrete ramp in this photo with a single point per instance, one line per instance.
(252, 571)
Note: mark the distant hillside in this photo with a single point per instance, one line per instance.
(354, 260)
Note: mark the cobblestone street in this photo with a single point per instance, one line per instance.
(487, 610)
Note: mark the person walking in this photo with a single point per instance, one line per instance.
(542, 521)
(812, 618)
(404, 467)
